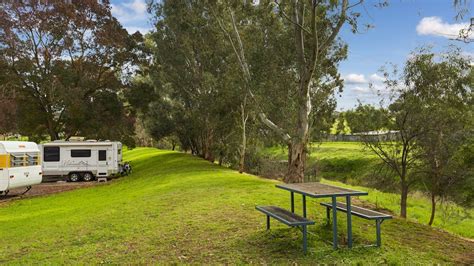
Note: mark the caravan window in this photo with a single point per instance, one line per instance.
(33, 158)
(102, 155)
(51, 154)
(24, 159)
(80, 153)
(18, 159)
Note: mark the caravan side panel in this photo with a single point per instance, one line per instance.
(24, 176)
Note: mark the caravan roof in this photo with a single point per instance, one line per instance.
(17, 146)
(79, 143)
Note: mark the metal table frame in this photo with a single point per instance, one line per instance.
(347, 194)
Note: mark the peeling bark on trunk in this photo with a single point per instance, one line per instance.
(242, 153)
(243, 147)
(296, 162)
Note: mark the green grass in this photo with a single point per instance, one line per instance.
(347, 162)
(178, 208)
(350, 163)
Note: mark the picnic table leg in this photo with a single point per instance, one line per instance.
(304, 206)
(305, 239)
(334, 223)
(292, 202)
(349, 221)
(268, 222)
(379, 238)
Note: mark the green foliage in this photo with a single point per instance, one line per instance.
(190, 92)
(176, 208)
(366, 117)
(66, 63)
(440, 87)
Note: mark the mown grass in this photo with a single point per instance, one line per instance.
(179, 208)
(347, 162)
(350, 163)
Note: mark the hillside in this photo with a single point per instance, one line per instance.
(179, 208)
(350, 163)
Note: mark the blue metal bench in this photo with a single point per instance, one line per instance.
(288, 218)
(362, 213)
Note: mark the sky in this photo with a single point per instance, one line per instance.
(398, 30)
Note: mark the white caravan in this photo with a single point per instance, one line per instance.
(19, 165)
(81, 160)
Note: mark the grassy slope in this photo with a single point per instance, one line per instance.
(349, 162)
(178, 208)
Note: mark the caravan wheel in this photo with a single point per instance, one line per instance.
(87, 177)
(74, 177)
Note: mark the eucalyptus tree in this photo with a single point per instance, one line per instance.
(398, 154)
(441, 86)
(196, 94)
(312, 28)
(432, 115)
(67, 59)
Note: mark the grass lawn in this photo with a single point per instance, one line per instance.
(178, 208)
(342, 161)
(348, 162)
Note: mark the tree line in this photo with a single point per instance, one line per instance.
(223, 79)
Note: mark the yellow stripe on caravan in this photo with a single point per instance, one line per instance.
(4, 160)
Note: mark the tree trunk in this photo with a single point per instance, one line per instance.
(403, 200)
(242, 157)
(221, 158)
(52, 133)
(244, 136)
(433, 209)
(296, 162)
(297, 146)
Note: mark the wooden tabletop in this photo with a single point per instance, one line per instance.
(319, 190)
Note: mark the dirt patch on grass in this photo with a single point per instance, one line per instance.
(45, 189)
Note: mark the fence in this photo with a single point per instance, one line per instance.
(357, 137)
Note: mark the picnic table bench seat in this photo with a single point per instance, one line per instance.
(362, 213)
(287, 217)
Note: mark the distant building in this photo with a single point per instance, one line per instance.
(360, 136)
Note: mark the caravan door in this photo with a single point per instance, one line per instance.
(102, 162)
(51, 160)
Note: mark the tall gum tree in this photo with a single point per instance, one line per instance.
(316, 25)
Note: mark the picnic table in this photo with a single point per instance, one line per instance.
(319, 190)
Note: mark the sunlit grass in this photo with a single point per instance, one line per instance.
(178, 208)
(351, 163)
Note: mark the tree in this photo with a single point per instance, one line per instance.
(340, 124)
(68, 61)
(190, 90)
(315, 26)
(441, 85)
(366, 117)
(8, 106)
(398, 155)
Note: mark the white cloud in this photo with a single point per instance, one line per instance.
(376, 78)
(361, 90)
(138, 7)
(437, 27)
(133, 15)
(130, 11)
(355, 79)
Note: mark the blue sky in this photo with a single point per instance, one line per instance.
(398, 29)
